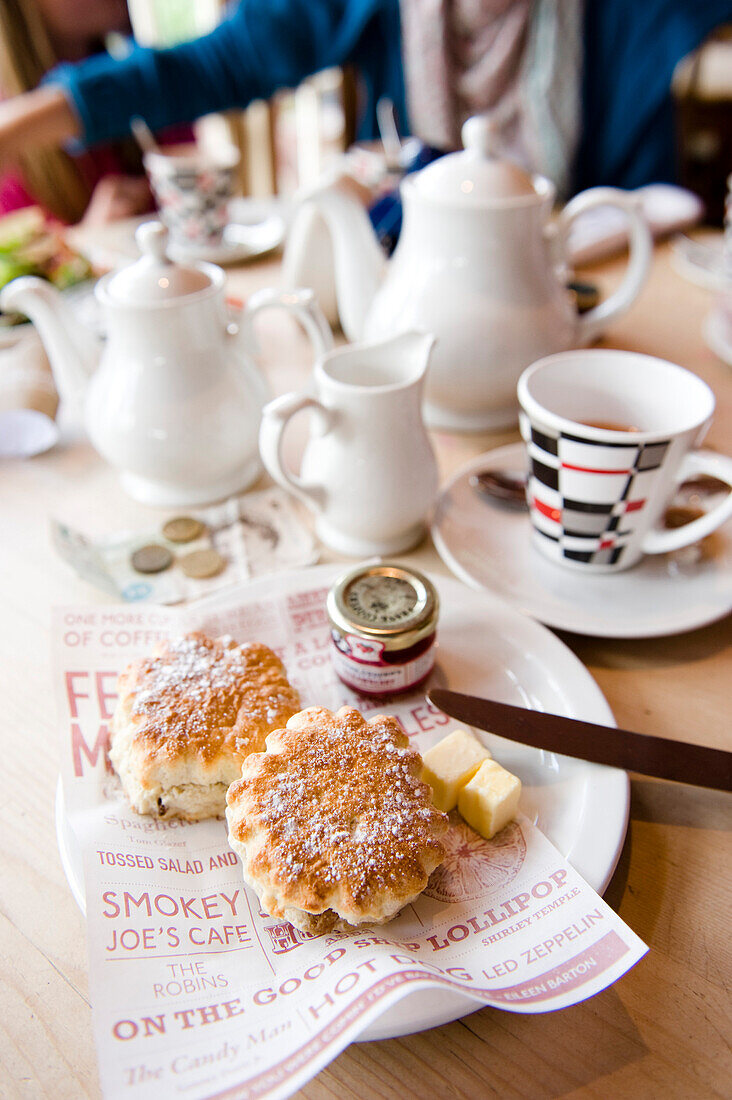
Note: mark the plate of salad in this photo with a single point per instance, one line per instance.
(30, 244)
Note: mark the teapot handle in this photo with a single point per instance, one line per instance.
(302, 304)
(275, 418)
(591, 324)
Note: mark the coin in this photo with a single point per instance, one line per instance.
(183, 529)
(202, 563)
(151, 559)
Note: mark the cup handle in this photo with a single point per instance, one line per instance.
(302, 304)
(275, 417)
(592, 324)
(659, 541)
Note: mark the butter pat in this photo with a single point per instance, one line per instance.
(449, 765)
(490, 800)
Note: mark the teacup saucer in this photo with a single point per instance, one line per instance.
(718, 334)
(241, 241)
(489, 546)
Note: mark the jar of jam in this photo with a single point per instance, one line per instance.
(383, 626)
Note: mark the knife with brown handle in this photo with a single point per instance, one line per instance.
(636, 752)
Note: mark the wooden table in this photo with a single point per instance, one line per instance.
(663, 1030)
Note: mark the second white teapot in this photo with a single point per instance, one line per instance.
(478, 263)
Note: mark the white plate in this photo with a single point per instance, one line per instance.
(487, 648)
(490, 547)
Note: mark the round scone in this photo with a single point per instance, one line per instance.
(188, 715)
(333, 824)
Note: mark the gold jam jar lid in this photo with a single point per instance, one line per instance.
(388, 603)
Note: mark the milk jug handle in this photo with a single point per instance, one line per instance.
(275, 418)
(592, 324)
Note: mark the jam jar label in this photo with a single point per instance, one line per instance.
(370, 651)
(359, 663)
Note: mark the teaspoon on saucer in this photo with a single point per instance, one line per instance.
(505, 486)
(509, 488)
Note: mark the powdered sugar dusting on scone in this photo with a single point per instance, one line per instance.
(190, 665)
(334, 817)
(190, 713)
(196, 691)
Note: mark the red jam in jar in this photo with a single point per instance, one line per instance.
(383, 622)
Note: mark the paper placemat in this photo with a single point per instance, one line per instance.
(195, 991)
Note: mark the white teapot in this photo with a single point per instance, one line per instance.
(172, 399)
(478, 263)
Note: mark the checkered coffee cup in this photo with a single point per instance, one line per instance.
(610, 435)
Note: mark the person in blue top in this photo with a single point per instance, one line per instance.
(582, 90)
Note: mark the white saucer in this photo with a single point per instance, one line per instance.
(701, 262)
(487, 648)
(243, 240)
(488, 546)
(717, 335)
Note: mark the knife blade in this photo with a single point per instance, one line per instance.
(637, 752)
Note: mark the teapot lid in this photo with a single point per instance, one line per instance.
(154, 277)
(477, 173)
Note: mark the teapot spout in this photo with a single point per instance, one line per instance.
(354, 257)
(73, 350)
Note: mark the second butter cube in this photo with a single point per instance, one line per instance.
(450, 764)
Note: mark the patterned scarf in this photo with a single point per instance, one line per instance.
(517, 60)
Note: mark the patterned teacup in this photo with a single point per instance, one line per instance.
(610, 435)
(192, 191)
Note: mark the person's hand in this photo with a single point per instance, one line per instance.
(37, 118)
(116, 197)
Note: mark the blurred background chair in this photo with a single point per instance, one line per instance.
(702, 90)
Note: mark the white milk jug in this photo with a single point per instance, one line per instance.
(368, 472)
